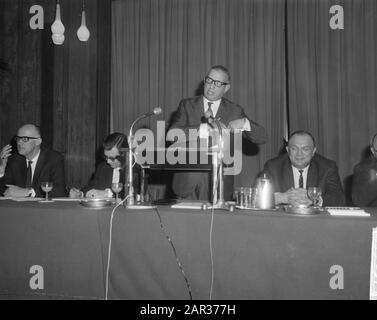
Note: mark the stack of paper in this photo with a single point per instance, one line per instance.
(347, 211)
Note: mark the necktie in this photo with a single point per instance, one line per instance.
(28, 175)
(210, 108)
(301, 179)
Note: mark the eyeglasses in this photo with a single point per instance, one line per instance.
(112, 159)
(24, 138)
(217, 83)
(305, 149)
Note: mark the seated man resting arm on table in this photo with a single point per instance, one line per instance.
(300, 168)
(22, 173)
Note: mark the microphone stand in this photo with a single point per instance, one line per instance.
(218, 201)
(131, 202)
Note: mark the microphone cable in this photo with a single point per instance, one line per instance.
(109, 248)
(175, 253)
(215, 187)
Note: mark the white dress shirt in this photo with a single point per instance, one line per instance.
(33, 164)
(116, 175)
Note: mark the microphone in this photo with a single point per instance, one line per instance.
(209, 117)
(155, 112)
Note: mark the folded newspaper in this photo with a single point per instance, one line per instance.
(347, 211)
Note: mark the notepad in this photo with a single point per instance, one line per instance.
(347, 211)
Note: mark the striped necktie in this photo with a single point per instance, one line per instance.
(301, 179)
(210, 108)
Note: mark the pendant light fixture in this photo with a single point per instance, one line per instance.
(83, 32)
(57, 28)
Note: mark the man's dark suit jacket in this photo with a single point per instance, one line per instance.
(190, 115)
(103, 177)
(364, 183)
(49, 167)
(322, 173)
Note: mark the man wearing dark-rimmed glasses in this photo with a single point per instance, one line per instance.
(364, 184)
(193, 113)
(22, 172)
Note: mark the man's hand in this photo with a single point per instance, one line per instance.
(16, 192)
(5, 153)
(238, 124)
(94, 193)
(293, 197)
(298, 196)
(75, 193)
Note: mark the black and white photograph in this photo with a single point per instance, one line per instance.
(188, 154)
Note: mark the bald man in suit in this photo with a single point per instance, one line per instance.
(300, 168)
(22, 173)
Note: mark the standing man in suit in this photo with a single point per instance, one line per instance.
(107, 172)
(22, 173)
(191, 115)
(300, 168)
(364, 184)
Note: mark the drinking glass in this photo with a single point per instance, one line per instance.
(314, 194)
(117, 187)
(47, 187)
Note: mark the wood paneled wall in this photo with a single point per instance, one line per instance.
(65, 89)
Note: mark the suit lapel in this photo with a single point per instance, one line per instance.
(39, 166)
(222, 112)
(312, 175)
(288, 181)
(21, 175)
(199, 106)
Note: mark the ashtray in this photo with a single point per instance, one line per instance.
(301, 210)
(97, 203)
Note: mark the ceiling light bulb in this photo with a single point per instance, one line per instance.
(83, 32)
(57, 27)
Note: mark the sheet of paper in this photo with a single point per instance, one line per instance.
(347, 211)
(187, 205)
(26, 199)
(68, 199)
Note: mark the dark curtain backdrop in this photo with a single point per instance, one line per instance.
(333, 77)
(162, 49)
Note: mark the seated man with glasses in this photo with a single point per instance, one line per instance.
(22, 172)
(111, 170)
(300, 168)
(192, 114)
(364, 183)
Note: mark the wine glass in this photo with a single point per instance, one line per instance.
(117, 187)
(314, 194)
(47, 187)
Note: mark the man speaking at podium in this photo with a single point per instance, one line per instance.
(192, 114)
